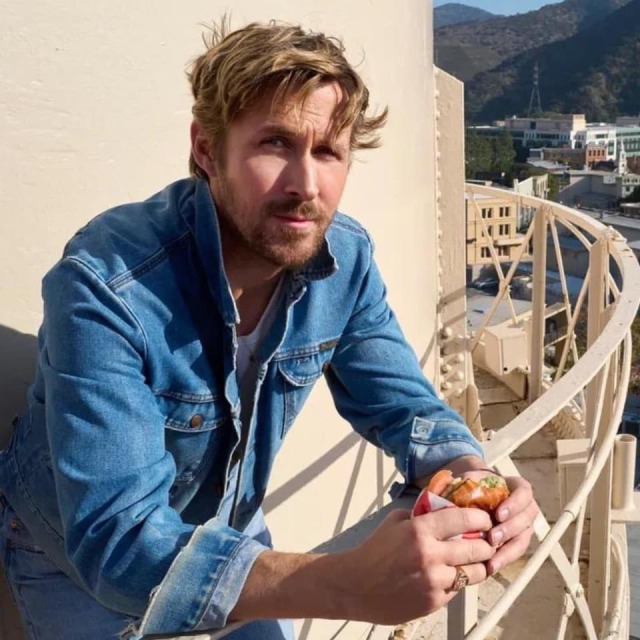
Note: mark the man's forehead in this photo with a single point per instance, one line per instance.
(319, 107)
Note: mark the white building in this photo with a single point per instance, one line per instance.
(551, 131)
(598, 134)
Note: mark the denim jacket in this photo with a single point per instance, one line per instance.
(133, 434)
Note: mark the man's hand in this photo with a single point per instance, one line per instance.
(407, 567)
(515, 517)
(404, 570)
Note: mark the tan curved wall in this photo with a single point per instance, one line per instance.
(95, 111)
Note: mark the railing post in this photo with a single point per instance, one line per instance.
(538, 302)
(462, 613)
(600, 533)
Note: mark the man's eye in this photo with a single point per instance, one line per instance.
(274, 142)
(326, 151)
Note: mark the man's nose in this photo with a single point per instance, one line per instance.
(302, 181)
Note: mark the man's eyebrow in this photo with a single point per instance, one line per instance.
(276, 129)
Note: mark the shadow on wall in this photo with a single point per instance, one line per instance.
(17, 366)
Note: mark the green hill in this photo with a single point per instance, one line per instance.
(596, 72)
(455, 13)
(468, 49)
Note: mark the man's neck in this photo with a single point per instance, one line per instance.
(252, 303)
(252, 281)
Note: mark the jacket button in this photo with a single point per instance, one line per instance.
(14, 525)
(196, 421)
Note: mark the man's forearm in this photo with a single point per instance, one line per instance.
(294, 585)
(305, 585)
(402, 571)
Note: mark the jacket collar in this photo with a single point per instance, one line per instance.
(203, 222)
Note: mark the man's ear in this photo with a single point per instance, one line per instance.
(202, 150)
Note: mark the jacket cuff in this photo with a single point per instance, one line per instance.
(433, 444)
(203, 583)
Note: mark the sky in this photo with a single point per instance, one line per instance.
(504, 7)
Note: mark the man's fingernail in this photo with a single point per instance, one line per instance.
(503, 514)
(496, 537)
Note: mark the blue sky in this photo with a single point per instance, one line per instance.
(505, 7)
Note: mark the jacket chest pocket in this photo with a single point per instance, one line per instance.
(298, 375)
(196, 432)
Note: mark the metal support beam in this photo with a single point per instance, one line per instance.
(462, 613)
(538, 301)
(599, 413)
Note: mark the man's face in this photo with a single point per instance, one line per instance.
(281, 178)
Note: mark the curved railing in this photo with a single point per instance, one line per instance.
(595, 387)
(588, 380)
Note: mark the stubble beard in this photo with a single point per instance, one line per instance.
(284, 247)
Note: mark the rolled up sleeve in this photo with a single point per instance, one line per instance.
(204, 599)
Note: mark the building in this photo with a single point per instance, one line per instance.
(600, 139)
(630, 209)
(598, 189)
(595, 153)
(535, 186)
(629, 137)
(550, 131)
(491, 221)
(628, 121)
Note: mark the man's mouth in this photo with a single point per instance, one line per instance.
(294, 210)
(295, 222)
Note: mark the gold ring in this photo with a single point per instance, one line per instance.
(461, 580)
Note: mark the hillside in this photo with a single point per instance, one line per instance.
(465, 50)
(596, 72)
(455, 13)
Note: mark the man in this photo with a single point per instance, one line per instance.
(181, 337)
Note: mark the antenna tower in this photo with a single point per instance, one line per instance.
(535, 104)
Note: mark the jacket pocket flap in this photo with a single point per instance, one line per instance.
(190, 415)
(304, 370)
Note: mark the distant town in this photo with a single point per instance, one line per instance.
(593, 164)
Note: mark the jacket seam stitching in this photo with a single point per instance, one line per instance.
(307, 351)
(147, 265)
(353, 228)
(125, 306)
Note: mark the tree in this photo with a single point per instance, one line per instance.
(478, 154)
(504, 153)
(634, 196)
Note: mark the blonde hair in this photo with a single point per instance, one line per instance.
(240, 67)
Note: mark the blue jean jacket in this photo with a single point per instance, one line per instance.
(132, 440)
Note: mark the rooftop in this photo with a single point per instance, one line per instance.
(617, 220)
(546, 164)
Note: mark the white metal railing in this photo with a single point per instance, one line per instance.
(594, 387)
(601, 374)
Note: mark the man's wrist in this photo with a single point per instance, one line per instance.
(457, 466)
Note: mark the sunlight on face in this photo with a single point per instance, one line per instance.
(282, 178)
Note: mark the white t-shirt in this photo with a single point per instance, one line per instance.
(247, 358)
(249, 345)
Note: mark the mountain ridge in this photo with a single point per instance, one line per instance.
(456, 13)
(467, 49)
(596, 71)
